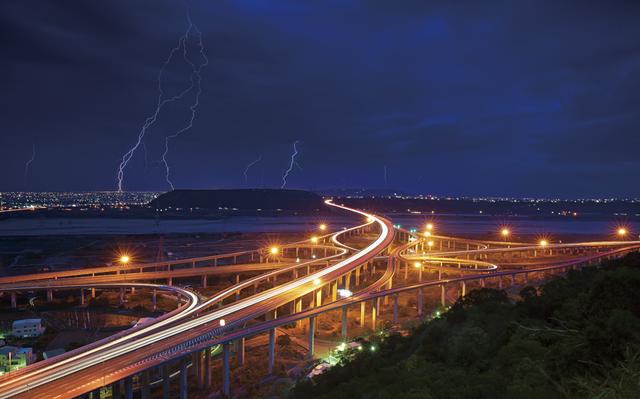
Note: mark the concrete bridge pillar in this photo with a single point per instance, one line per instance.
(500, 282)
(170, 281)
(374, 313)
(128, 388)
(121, 296)
(318, 297)
(513, 279)
(207, 367)
(272, 350)
(443, 299)
(357, 276)
(49, 295)
(204, 281)
(145, 388)
(154, 300)
(395, 309)
(81, 296)
(184, 385)
(240, 351)
(226, 372)
(464, 289)
(93, 292)
(419, 302)
(362, 311)
(116, 392)
(14, 300)
(334, 290)
(344, 322)
(312, 332)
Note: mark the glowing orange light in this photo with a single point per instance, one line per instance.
(222, 322)
(274, 251)
(323, 227)
(505, 232)
(544, 243)
(429, 226)
(124, 259)
(316, 281)
(314, 239)
(427, 234)
(430, 243)
(622, 232)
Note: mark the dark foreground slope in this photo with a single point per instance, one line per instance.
(242, 199)
(575, 337)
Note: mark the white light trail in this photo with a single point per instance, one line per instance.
(291, 164)
(246, 170)
(161, 102)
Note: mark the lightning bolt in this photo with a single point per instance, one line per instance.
(246, 177)
(161, 102)
(196, 80)
(291, 164)
(28, 164)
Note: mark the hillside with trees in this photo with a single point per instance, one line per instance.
(574, 337)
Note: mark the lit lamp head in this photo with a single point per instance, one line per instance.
(622, 232)
(124, 259)
(316, 281)
(430, 244)
(222, 323)
(505, 232)
(544, 243)
(427, 234)
(429, 226)
(314, 240)
(417, 265)
(322, 227)
(274, 250)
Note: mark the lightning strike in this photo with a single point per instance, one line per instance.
(28, 163)
(246, 170)
(162, 99)
(291, 164)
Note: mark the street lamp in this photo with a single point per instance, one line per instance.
(316, 281)
(314, 239)
(322, 227)
(124, 259)
(429, 226)
(544, 243)
(427, 234)
(505, 233)
(430, 244)
(274, 250)
(622, 232)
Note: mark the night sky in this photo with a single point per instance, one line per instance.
(516, 98)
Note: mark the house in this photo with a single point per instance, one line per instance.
(27, 328)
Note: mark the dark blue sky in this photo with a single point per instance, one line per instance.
(520, 98)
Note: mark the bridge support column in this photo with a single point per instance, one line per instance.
(128, 388)
(121, 296)
(14, 300)
(81, 296)
(463, 289)
(344, 322)
(240, 351)
(298, 308)
(93, 292)
(170, 281)
(226, 372)
(374, 313)
(207, 367)
(272, 350)
(439, 274)
(482, 283)
(395, 309)
(318, 297)
(419, 302)
(237, 282)
(406, 269)
(312, 333)
(362, 311)
(204, 281)
(334, 290)
(184, 385)
(154, 300)
(166, 381)
(357, 276)
(513, 279)
(49, 295)
(500, 282)
(116, 392)
(133, 290)
(145, 388)
(443, 299)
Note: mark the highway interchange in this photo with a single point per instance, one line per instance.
(284, 284)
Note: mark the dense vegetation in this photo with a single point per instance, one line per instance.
(574, 337)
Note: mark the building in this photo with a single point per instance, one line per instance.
(53, 352)
(27, 328)
(14, 358)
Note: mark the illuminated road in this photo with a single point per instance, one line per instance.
(197, 324)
